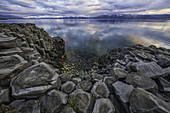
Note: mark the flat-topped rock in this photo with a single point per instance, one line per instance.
(85, 85)
(34, 81)
(65, 77)
(97, 77)
(120, 73)
(68, 87)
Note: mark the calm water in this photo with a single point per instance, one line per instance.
(90, 38)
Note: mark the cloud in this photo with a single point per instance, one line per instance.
(27, 8)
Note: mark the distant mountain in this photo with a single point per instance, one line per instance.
(9, 17)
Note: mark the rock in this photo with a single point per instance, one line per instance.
(165, 85)
(109, 80)
(142, 101)
(97, 77)
(85, 85)
(34, 81)
(4, 95)
(123, 91)
(15, 104)
(65, 77)
(53, 100)
(31, 106)
(120, 73)
(163, 60)
(82, 100)
(10, 64)
(100, 90)
(103, 105)
(76, 80)
(150, 69)
(68, 87)
(142, 81)
(67, 109)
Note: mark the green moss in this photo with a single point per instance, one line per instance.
(73, 104)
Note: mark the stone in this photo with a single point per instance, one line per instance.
(109, 80)
(165, 85)
(65, 77)
(163, 60)
(82, 100)
(10, 64)
(34, 81)
(53, 101)
(142, 101)
(120, 73)
(4, 95)
(103, 105)
(97, 77)
(85, 85)
(15, 104)
(31, 106)
(123, 91)
(76, 80)
(142, 81)
(68, 87)
(100, 90)
(67, 109)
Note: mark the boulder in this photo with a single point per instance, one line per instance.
(142, 81)
(103, 105)
(97, 77)
(10, 64)
(109, 80)
(53, 101)
(163, 60)
(123, 91)
(67, 109)
(65, 77)
(100, 90)
(68, 87)
(15, 104)
(142, 101)
(165, 85)
(34, 81)
(120, 73)
(85, 85)
(76, 80)
(82, 100)
(4, 95)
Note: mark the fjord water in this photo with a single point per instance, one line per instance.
(90, 38)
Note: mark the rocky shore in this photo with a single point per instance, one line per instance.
(134, 79)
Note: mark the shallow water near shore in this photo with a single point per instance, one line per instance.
(87, 39)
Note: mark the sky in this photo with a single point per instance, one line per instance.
(64, 8)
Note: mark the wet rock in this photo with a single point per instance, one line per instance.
(82, 100)
(123, 91)
(65, 77)
(142, 101)
(34, 81)
(120, 73)
(85, 85)
(103, 105)
(68, 87)
(4, 95)
(142, 81)
(53, 100)
(10, 64)
(97, 77)
(100, 90)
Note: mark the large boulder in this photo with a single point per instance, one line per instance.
(10, 64)
(100, 90)
(34, 81)
(53, 101)
(68, 87)
(142, 81)
(85, 85)
(4, 95)
(82, 100)
(142, 101)
(103, 105)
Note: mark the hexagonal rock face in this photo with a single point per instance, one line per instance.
(100, 90)
(53, 100)
(142, 101)
(8, 64)
(31, 106)
(103, 105)
(34, 81)
(97, 77)
(68, 87)
(82, 100)
(120, 73)
(65, 77)
(85, 85)
(123, 91)
(142, 81)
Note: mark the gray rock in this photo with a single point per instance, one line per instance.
(100, 90)
(4, 95)
(76, 80)
(109, 80)
(123, 91)
(65, 77)
(9, 64)
(68, 87)
(82, 100)
(67, 109)
(15, 104)
(142, 81)
(165, 85)
(85, 85)
(53, 100)
(103, 105)
(97, 77)
(163, 60)
(142, 101)
(34, 81)
(120, 73)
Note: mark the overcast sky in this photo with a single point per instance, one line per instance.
(57, 8)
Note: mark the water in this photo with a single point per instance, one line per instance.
(87, 39)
